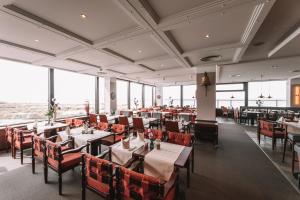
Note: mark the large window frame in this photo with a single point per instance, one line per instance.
(238, 89)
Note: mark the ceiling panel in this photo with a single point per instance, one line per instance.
(18, 54)
(165, 8)
(102, 17)
(222, 28)
(138, 48)
(127, 69)
(96, 58)
(68, 65)
(162, 64)
(22, 32)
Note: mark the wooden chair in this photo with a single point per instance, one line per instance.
(103, 118)
(9, 136)
(93, 120)
(38, 145)
(172, 126)
(22, 141)
(145, 114)
(103, 126)
(138, 124)
(119, 131)
(78, 122)
(60, 160)
(157, 134)
(134, 185)
(158, 122)
(69, 122)
(268, 128)
(296, 150)
(97, 176)
(124, 121)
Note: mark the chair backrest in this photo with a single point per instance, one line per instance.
(180, 138)
(134, 185)
(172, 126)
(19, 133)
(157, 133)
(146, 114)
(99, 174)
(78, 122)
(266, 127)
(93, 118)
(9, 134)
(118, 128)
(103, 126)
(38, 145)
(138, 124)
(103, 118)
(53, 151)
(123, 120)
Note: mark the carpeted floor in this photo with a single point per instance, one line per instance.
(238, 169)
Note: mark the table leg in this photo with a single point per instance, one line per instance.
(188, 173)
(284, 147)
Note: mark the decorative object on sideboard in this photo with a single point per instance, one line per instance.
(205, 82)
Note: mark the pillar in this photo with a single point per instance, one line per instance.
(110, 94)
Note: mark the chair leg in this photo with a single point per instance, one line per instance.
(284, 148)
(258, 138)
(60, 183)
(193, 160)
(46, 174)
(273, 143)
(293, 160)
(33, 164)
(21, 154)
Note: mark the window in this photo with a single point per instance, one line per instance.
(276, 89)
(148, 96)
(122, 94)
(171, 93)
(101, 94)
(71, 91)
(230, 95)
(135, 95)
(24, 92)
(189, 95)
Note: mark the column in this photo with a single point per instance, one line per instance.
(110, 97)
(158, 96)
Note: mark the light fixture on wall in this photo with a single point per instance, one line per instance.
(205, 82)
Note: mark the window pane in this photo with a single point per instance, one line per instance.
(24, 92)
(225, 99)
(71, 91)
(122, 94)
(276, 89)
(148, 96)
(239, 86)
(189, 95)
(135, 95)
(101, 94)
(171, 93)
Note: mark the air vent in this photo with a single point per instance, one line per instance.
(257, 44)
(296, 71)
(211, 58)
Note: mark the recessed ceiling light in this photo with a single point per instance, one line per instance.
(83, 16)
(207, 36)
(36, 40)
(140, 51)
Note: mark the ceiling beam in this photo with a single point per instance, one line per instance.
(257, 18)
(284, 42)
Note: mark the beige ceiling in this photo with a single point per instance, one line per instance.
(153, 41)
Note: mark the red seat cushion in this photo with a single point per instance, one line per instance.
(69, 160)
(179, 138)
(25, 144)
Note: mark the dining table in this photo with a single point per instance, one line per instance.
(91, 136)
(48, 129)
(161, 163)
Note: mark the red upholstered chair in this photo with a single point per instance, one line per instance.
(70, 122)
(172, 126)
(9, 135)
(22, 141)
(93, 120)
(138, 125)
(119, 130)
(60, 160)
(157, 134)
(97, 175)
(123, 120)
(38, 145)
(182, 139)
(268, 128)
(103, 126)
(134, 185)
(78, 122)
(103, 118)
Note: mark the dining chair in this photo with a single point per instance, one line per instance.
(124, 121)
(22, 141)
(97, 176)
(296, 152)
(60, 160)
(103, 118)
(9, 137)
(156, 133)
(93, 120)
(119, 131)
(69, 122)
(134, 185)
(172, 126)
(158, 122)
(78, 122)
(138, 124)
(145, 114)
(103, 126)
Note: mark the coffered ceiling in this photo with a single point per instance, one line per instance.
(159, 42)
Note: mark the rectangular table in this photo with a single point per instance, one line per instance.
(43, 127)
(82, 139)
(182, 161)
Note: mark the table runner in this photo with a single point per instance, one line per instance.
(160, 163)
(120, 155)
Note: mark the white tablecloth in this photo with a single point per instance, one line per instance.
(82, 139)
(120, 155)
(160, 163)
(293, 127)
(42, 127)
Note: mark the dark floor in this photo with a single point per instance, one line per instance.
(238, 169)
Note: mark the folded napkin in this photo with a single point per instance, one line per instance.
(125, 143)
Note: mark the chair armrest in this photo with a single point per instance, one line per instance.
(77, 150)
(103, 154)
(64, 143)
(52, 137)
(132, 164)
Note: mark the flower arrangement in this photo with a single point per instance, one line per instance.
(136, 103)
(52, 111)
